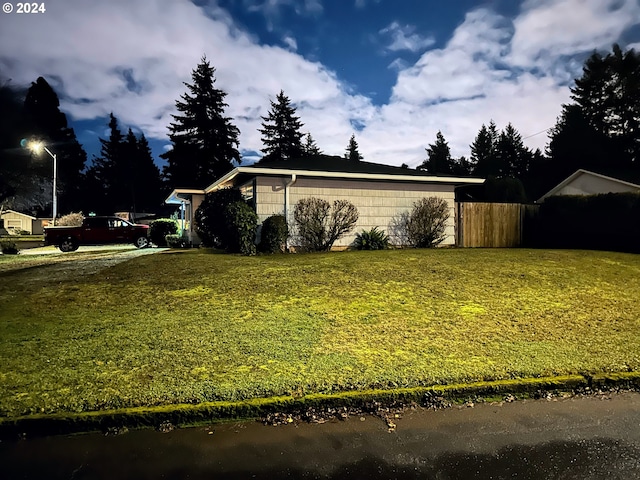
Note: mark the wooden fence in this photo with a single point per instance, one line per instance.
(492, 224)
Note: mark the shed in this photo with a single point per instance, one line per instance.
(380, 192)
(586, 182)
(15, 221)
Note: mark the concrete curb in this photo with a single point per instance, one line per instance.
(189, 414)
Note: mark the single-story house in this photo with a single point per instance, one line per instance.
(380, 192)
(15, 221)
(585, 182)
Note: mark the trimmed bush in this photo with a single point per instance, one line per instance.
(210, 220)
(174, 240)
(73, 219)
(9, 247)
(373, 239)
(319, 224)
(424, 226)
(242, 223)
(608, 221)
(159, 229)
(274, 234)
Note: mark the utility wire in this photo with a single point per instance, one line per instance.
(543, 131)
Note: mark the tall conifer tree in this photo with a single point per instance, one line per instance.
(205, 141)
(281, 135)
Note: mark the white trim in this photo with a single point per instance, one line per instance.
(343, 175)
(175, 199)
(18, 213)
(575, 175)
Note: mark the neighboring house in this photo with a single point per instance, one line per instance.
(15, 221)
(585, 182)
(380, 192)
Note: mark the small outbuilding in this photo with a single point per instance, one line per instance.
(586, 182)
(16, 221)
(380, 192)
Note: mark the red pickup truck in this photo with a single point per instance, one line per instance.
(97, 231)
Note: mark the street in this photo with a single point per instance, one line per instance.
(570, 438)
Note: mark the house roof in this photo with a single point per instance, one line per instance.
(577, 173)
(338, 167)
(18, 213)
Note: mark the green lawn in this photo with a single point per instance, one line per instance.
(198, 326)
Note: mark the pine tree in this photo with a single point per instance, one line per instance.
(204, 140)
(353, 155)
(512, 157)
(439, 159)
(49, 125)
(280, 131)
(108, 176)
(483, 158)
(607, 97)
(310, 148)
(147, 175)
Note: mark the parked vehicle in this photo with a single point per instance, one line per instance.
(97, 231)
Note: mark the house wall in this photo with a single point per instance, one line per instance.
(17, 221)
(377, 202)
(585, 184)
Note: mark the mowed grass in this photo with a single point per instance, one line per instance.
(200, 326)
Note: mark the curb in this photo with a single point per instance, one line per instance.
(190, 414)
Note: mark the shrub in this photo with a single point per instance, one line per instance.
(159, 229)
(241, 222)
(273, 238)
(319, 224)
(583, 221)
(424, 226)
(73, 219)
(210, 219)
(9, 247)
(373, 239)
(173, 240)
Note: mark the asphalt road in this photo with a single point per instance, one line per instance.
(574, 438)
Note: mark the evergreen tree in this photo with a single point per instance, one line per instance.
(49, 125)
(439, 159)
(204, 140)
(107, 177)
(280, 131)
(147, 175)
(310, 148)
(483, 158)
(461, 166)
(604, 120)
(353, 155)
(512, 157)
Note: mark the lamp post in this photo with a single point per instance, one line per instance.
(37, 147)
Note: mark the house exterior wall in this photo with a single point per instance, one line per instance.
(17, 221)
(377, 202)
(585, 184)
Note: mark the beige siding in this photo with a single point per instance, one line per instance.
(377, 202)
(586, 184)
(17, 221)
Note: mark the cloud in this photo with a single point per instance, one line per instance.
(548, 30)
(291, 43)
(271, 9)
(134, 63)
(404, 38)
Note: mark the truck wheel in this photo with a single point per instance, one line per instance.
(68, 245)
(141, 242)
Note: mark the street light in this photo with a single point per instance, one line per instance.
(37, 147)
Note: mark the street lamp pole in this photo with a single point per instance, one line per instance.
(55, 182)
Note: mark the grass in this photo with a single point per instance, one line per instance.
(198, 326)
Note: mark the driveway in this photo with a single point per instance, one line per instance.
(86, 260)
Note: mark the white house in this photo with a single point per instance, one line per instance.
(15, 221)
(380, 192)
(585, 182)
